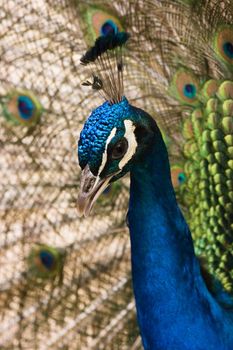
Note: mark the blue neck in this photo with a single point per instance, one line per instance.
(167, 282)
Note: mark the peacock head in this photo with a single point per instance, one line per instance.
(113, 140)
(115, 135)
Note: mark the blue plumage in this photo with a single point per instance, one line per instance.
(174, 307)
(92, 140)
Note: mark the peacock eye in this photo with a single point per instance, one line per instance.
(119, 149)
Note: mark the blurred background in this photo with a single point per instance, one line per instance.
(64, 282)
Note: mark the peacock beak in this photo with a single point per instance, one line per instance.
(91, 187)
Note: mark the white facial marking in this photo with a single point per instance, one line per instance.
(132, 143)
(104, 158)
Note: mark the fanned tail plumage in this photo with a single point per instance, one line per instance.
(179, 68)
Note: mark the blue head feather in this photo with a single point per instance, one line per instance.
(97, 129)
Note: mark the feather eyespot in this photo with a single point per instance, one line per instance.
(25, 107)
(109, 27)
(190, 91)
(47, 259)
(105, 23)
(184, 87)
(178, 176)
(100, 22)
(223, 44)
(228, 49)
(21, 107)
(181, 178)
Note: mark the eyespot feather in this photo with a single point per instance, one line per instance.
(177, 175)
(184, 87)
(99, 21)
(21, 107)
(44, 261)
(223, 45)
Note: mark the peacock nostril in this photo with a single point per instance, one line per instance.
(88, 185)
(87, 181)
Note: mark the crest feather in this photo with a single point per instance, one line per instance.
(105, 63)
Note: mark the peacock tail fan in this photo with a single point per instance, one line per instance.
(191, 74)
(89, 303)
(75, 295)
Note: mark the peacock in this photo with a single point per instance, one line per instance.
(66, 282)
(175, 309)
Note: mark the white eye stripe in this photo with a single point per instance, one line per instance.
(132, 146)
(104, 158)
(132, 143)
